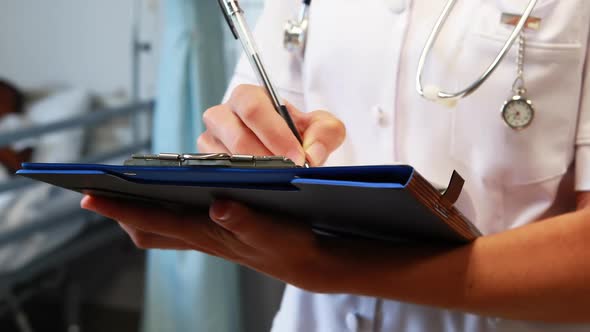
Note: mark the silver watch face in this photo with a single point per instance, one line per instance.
(518, 112)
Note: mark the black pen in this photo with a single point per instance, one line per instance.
(234, 15)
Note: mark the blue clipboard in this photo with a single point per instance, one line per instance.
(385, 202)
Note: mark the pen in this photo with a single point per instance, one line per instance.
(234, 15)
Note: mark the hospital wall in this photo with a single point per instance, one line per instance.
(76, 43)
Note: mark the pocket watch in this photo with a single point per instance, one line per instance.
(518, 112)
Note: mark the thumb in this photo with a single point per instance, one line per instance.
(324, 134)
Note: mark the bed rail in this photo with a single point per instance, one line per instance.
(86, 120)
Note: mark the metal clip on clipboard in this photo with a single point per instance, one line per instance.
(210, 159)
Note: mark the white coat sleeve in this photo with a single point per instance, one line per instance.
(283, 68)
(583, 135)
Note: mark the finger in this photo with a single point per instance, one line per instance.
(207, 143)
(227, 127)
(144, 240)
(145, 218)
(324, 134)
(254, 108)
(198, 231)
(300, 119)
(257, 230)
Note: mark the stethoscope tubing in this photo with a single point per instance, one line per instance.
(493, 66)
(426, 50)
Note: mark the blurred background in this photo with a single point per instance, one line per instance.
(95, 81)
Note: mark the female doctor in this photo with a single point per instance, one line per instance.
(523, 183)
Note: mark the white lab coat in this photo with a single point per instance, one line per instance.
(360, 64)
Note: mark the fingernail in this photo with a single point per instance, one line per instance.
(221, 211)
(296, 156)
(85, 203)
(317, 153)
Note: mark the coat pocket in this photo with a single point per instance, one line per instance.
(554, 60)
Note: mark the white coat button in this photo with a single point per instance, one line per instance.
(352, 321)
(381, 116)
(397, 6)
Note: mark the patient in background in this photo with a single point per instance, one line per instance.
(11, 117)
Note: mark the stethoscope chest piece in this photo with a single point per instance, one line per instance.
(295, 37)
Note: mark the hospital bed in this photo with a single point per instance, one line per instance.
(42, 228)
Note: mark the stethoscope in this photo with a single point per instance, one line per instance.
(295, 40)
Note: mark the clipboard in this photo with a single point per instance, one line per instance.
(381, 202)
